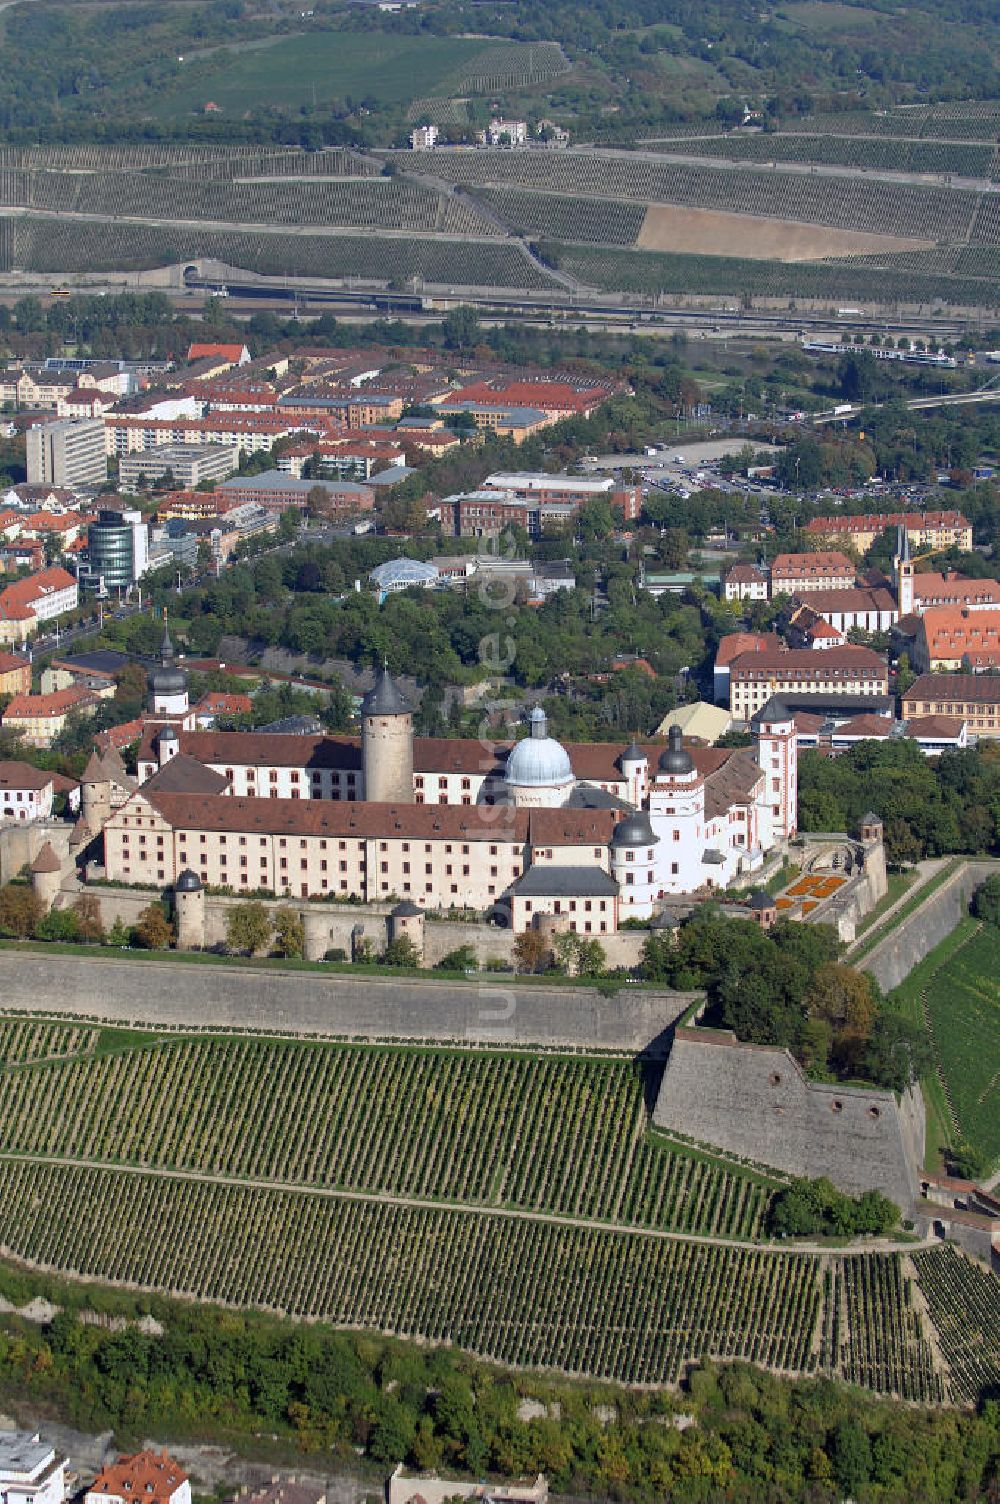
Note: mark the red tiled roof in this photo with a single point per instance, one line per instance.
(947, 588)
(60, 702)
(221, 352)
(804, 659)
(865, 726)
(979, 689)
(935, 726)
(734, 644)
(879, 521)
(829, 564)
(22, 594)
(151, 1476)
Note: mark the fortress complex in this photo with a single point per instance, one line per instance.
(582, 836)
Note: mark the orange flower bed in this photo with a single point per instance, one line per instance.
(784, 903)
(809, 905)
(818, 886)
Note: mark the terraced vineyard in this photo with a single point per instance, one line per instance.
(876, 1337)
(523, 1292)
(972, 159)
(512, 1204)
(354, 202)
(964, 1302)
(334, 215)
(847, 202)
(652, 273)
(30, 1039)
(49, 244)
(439, 1125)
(606, 221)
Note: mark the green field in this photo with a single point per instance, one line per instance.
(325, 65)
(958, 988)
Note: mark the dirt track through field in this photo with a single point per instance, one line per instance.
(713, 232)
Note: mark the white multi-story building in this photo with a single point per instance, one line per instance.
(31, 1472)
(585, 834)
(26, 792)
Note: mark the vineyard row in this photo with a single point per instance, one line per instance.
(555, 1134)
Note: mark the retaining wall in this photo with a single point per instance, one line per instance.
(755, 1101)
(906, 944)
(501, 1010)
(331, 926)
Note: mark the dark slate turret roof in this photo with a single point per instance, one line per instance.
(774, 709)
(385, 697)
(674, 759)
(406, 910)
(634, 830)
(188, 882)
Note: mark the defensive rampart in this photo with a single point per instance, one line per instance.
(501, 1010)
(906, 944)
(755, 1101)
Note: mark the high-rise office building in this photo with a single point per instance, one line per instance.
(70, 452)
(117, 552)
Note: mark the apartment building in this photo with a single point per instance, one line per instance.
(38, 597)
(744, 582)
(973, 698)
(40, 718)
(15, 674)
(70, 452)
(951, 589)
(26, 793)
(31, 1471)
(277, 491)
(953, 637)
(948, 529)
(755, 677)
(795, 574)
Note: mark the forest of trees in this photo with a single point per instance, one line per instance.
(786, 987)
(930, 807)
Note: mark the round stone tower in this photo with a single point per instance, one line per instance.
(387, 742)
(189, 910)
(46, 876)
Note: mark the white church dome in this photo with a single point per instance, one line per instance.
(539, 761)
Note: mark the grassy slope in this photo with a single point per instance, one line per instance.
(391, 68)
(963, 1000)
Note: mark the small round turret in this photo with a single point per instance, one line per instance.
(674, 760)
